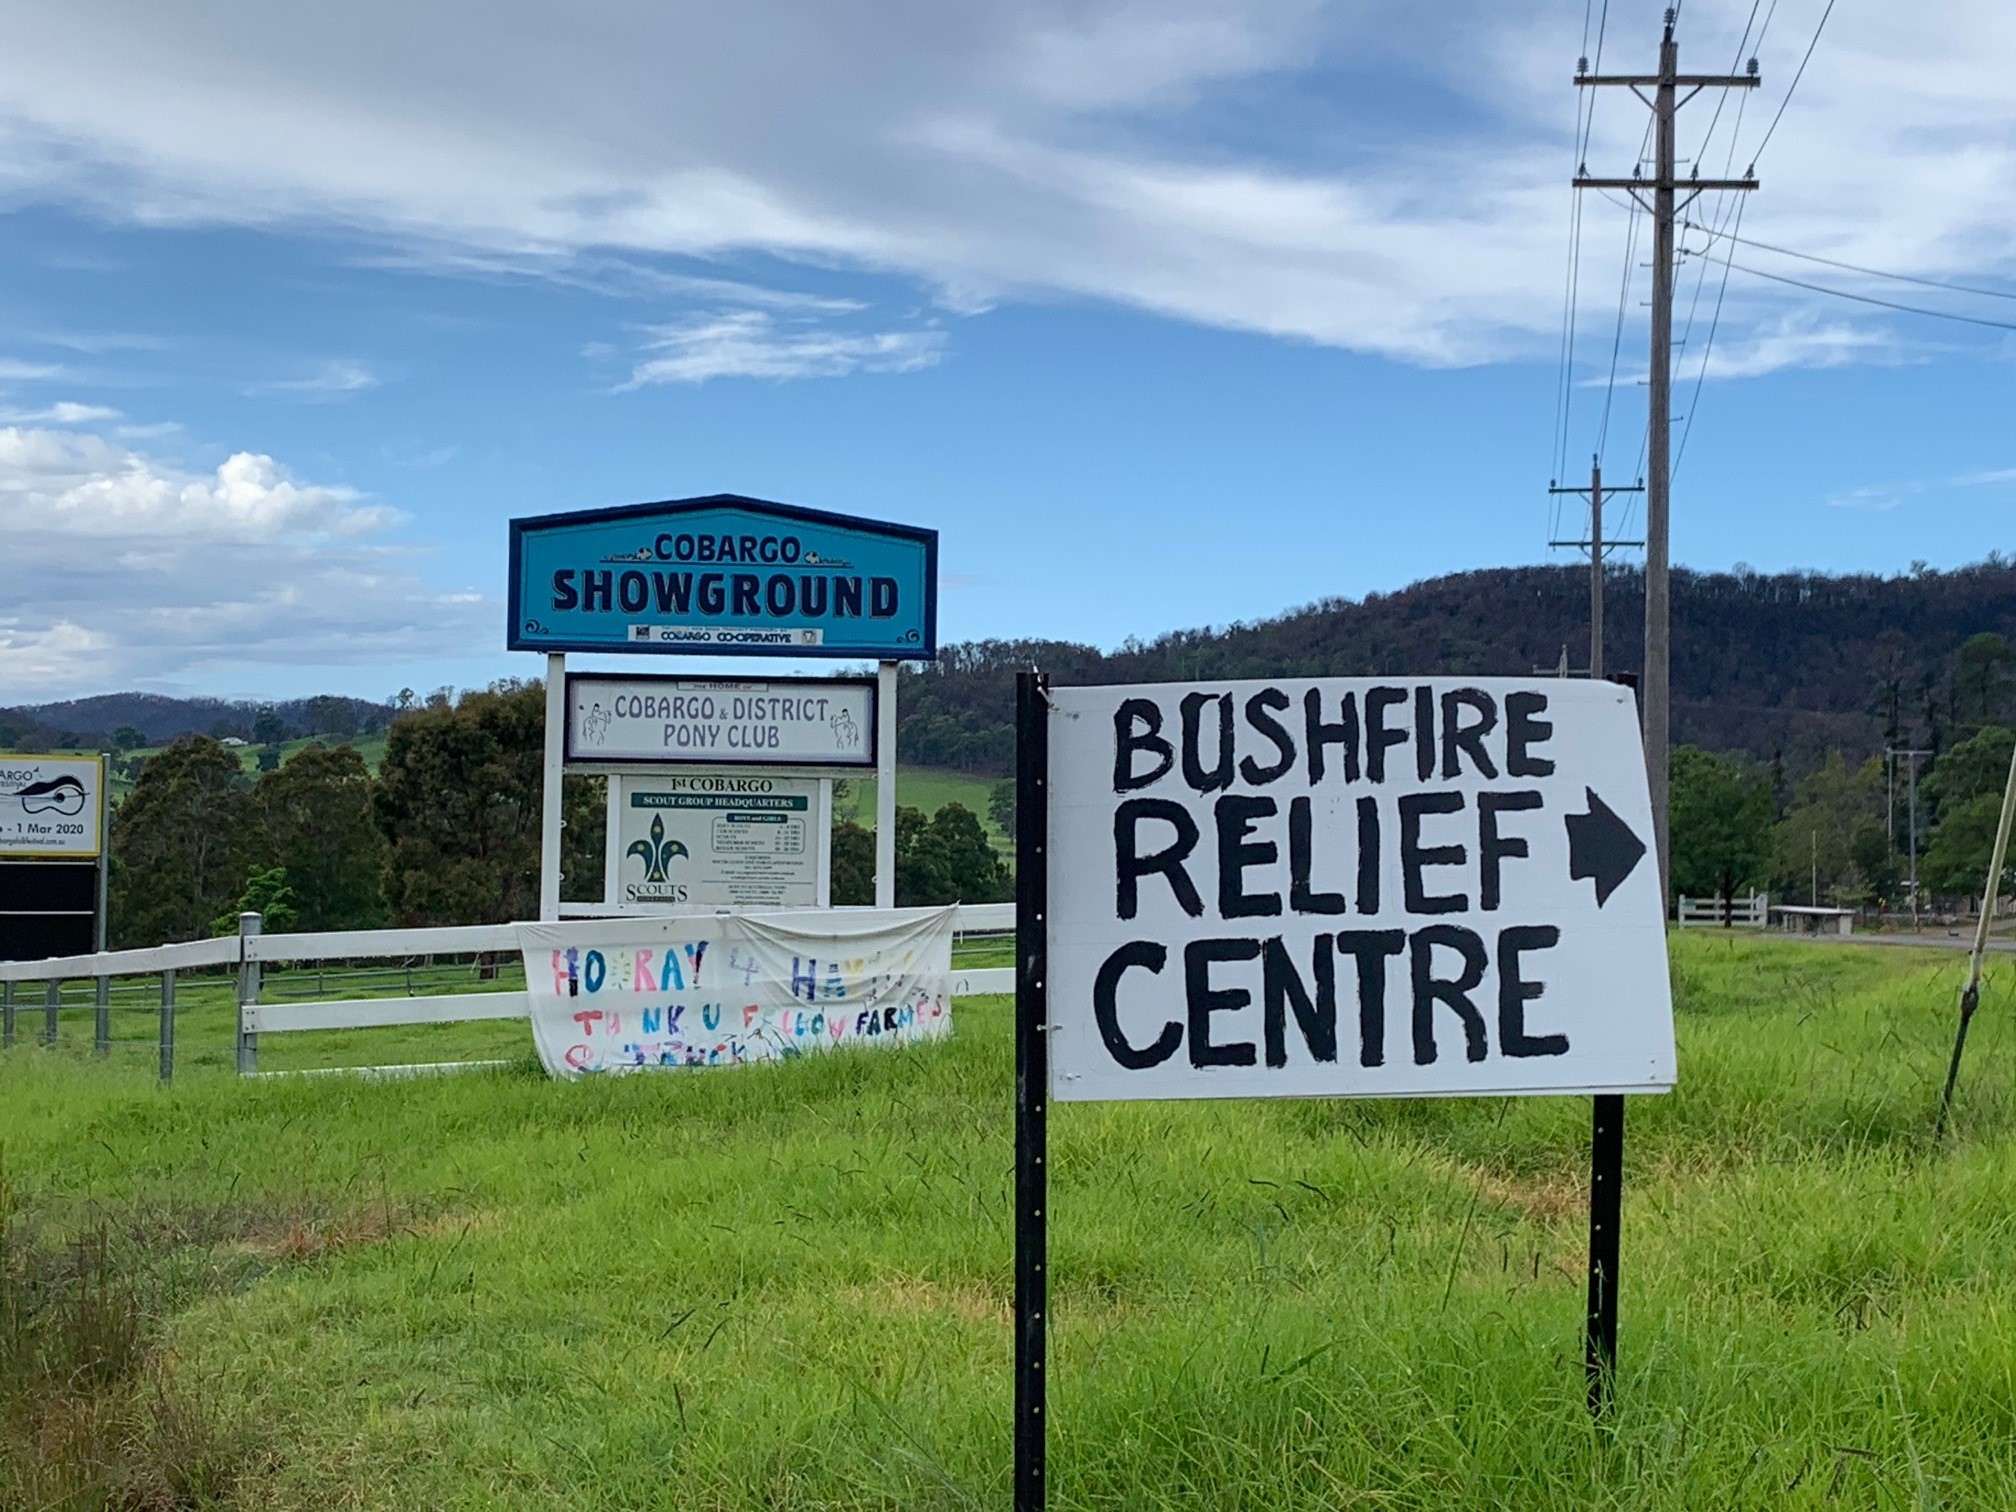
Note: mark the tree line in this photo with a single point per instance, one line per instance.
(1842, 834)
(445, 832)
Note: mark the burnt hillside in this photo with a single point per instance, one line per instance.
(1791, 664)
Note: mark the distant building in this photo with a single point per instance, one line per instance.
(233, 740)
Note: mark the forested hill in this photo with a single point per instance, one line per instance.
(1791, 664)
(123, 719)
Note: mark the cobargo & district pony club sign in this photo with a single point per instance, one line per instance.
(724, 576)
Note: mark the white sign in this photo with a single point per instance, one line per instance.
(726, 990)
(1353, 888)
(784, 722)
(719, 839)
(49, 805)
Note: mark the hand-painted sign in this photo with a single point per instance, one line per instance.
(1370, 888)
(727, 839)
(49, 805)
(724, 576)
(724, 990)
(793, 721)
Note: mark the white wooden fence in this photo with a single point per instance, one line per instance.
(1753, 912)
(250, 950)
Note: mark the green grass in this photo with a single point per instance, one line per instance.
(930, 789)
(787, 1286)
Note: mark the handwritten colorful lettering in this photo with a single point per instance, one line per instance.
(617, 995)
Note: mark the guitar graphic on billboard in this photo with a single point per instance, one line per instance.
(58, 795)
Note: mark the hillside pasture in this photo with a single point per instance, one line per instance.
(787, 1286)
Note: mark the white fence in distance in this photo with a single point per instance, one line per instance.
(1753, 912)
(249, 950)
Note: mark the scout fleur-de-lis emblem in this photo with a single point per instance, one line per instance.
(657, 852)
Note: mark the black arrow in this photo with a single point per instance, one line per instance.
(1601, 847)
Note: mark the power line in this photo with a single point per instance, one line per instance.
(1564, 399)
(1795, 85)
(1723, 98)
(1707, 350)
(1888, 304)
(1832, 262)
(1730, 213)
(1617, 341)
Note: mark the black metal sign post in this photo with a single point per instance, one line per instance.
(1032, 1079)
(1606, 1211)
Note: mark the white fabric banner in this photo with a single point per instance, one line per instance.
(720, 990)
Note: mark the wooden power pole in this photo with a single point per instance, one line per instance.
(1597, 547)
(1665, 189)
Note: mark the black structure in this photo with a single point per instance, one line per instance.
(1606, 1210)
(1606, 1213)
(1032, 1080)
(48, 908)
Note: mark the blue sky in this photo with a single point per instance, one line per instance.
(1163, 316)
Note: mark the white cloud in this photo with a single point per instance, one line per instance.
(123, 569)
(752, 344)
(65, 412)
(1104, 148)
(12, 371)
(332, 380)
(1986, 479)
(1798, 339)
(1877, 498)
(94, 343)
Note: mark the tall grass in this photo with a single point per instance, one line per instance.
(787, 1285)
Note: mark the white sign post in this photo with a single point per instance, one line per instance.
(1390, 887)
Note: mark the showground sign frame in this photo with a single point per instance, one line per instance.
(1600, 847)
(621, 542)
(535, 539)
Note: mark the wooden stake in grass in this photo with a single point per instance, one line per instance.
(1970, 995)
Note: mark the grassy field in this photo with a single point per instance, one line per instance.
(930, 789)
(786, 1286)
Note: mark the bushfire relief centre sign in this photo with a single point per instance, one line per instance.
(1378, 888)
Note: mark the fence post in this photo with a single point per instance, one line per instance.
(101, 1034)
(167, 1026)
(52, 1001)
(6, 1015)
(248, 994)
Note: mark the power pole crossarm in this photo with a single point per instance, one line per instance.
(1685, 81)
(1690, 184)
(1665, 100)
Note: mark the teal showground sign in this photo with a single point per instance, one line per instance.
(724, 576)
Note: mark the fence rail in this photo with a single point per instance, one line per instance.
(1753, 912)
(249, 951)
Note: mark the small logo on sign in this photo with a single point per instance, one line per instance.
(657, 853)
